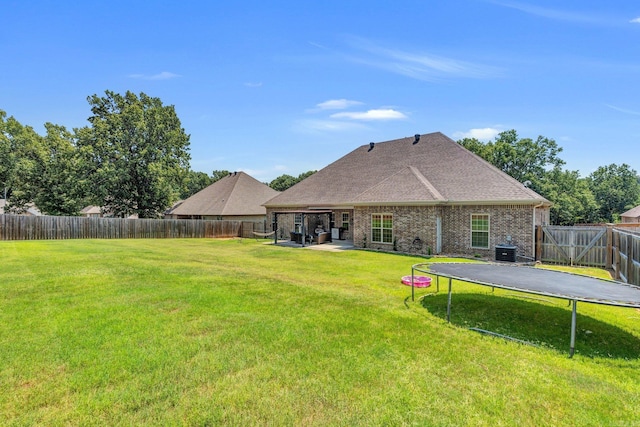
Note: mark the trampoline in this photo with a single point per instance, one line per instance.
(557, 284)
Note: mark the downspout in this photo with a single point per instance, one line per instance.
(534, 229)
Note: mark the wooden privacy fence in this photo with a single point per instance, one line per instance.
(19, 227)
(615, 247)
(626, 256)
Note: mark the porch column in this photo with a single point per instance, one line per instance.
(274, 226)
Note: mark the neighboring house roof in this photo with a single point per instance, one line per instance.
(91, 210)
(30, 209)
(235, 194)
(434, 170)
(632, 213)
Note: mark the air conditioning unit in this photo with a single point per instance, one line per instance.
(506, 253)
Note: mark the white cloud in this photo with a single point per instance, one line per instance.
(623, 110)
(417, 65)
(559, 15)
(337, 104)
(251, 84)
(635, 21)
(482, 134)
(327, 126)
(589, 18)
(165, 75)
(380, 114)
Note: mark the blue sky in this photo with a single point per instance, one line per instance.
(275, 87)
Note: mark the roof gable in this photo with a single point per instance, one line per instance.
(435, 169)
(407, 185)
(632, 213)
(235, 194)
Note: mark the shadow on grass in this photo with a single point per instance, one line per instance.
(536, 323)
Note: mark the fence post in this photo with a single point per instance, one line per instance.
(631, 263)
(616, 244)
(609, 254)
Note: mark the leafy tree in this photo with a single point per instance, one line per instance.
(305, 175)
(7, 156)
(573, 201)
(20, 148)
(522, 158)
(136, 152)
(282, 182)
(217, 175)
(195, 182)
(285, 181)
(60, 186)
(616, 189)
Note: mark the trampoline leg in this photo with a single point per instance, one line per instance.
(412, 285)
(449, 303)
(573, 328)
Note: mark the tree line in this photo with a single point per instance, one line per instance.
(599, 197)
(132, 158)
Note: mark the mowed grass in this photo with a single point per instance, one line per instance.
(227, 332)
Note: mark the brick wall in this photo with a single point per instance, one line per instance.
(337, 216)
(515, 221)
(414, 228)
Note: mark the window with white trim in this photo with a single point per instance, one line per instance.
(345, 220)
(480, 231)
(382, 228)
(297, 223)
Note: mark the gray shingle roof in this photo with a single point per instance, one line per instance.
(91, 209)
(235, 194)
(632, 213)
(434, 170)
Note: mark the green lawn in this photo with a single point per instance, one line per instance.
(227, 332)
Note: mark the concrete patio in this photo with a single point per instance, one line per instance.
(334, 246)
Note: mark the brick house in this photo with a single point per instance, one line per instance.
(422, 194)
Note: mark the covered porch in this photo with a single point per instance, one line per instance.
(304, 226)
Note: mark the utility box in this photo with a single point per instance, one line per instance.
(506, 253)
(335, 234)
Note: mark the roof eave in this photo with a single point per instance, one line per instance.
(537, 202)
(348, 205)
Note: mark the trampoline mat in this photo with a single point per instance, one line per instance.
(541, 281)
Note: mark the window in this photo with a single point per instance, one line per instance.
(382, 228)
(297, 223)
(480, 231)
(345, 220)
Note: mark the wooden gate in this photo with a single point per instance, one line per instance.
(626, 256)
(615, 247)
(585, 246)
